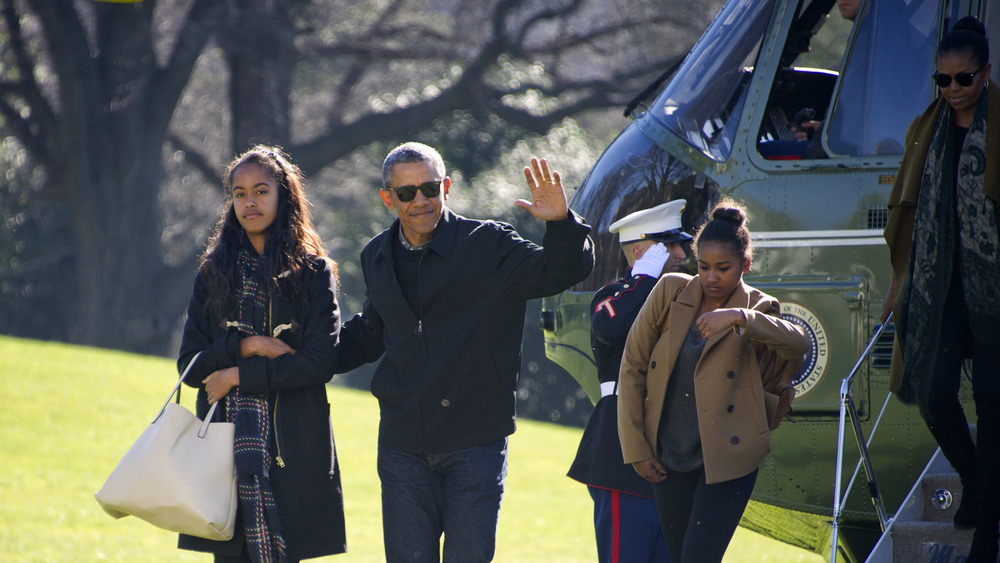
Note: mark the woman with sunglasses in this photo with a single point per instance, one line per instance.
(943, 242)
(264, 315)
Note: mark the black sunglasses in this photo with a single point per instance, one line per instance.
(407, 193)
(964, 79)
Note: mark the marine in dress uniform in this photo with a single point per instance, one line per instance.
(625, 521)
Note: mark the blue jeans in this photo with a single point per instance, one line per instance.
(457, 493)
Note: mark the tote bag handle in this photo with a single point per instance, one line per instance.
(208, 418)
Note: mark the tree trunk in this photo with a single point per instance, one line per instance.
(262, 58)
(114, 189)
(115, 104)
(119, 260)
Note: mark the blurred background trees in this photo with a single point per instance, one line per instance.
(117, 118)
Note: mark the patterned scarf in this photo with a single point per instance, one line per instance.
(252, 420)
(950, 215)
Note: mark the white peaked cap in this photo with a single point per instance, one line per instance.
(661, 224)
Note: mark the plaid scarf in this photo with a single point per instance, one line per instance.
(952, 213)
(251, 418)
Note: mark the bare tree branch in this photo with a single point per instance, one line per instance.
(351, 77)
(541, 123)
(342, 139)
(81, 110)
(543, 16)
(565, 42)
(401, 33)
(390, 12)
(379, 51)
(471, 90)
(201, 23)
(209, 171)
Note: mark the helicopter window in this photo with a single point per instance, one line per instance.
(810, 66)
(703, 101)
(879, 95)
(635, 173)
(876, 97)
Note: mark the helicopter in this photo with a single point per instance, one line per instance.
(722, 123)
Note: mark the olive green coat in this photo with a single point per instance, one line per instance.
(905, 191)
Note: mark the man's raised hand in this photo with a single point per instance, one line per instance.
(547, 191)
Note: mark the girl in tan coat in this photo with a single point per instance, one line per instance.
(693, 415)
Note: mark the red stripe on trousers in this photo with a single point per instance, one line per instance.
(615, 523)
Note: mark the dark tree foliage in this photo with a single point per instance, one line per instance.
(84, 92)
(116, 119)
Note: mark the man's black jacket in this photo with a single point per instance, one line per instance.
(449, 374)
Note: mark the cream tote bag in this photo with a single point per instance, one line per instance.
(179, 475)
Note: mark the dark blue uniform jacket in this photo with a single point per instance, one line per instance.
(599, 462)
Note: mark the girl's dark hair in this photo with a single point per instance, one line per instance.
(293, 239)
(728, 226)
(967, 36)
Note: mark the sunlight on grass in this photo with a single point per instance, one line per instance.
(71, 412)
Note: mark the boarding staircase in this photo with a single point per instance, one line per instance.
(921, 531)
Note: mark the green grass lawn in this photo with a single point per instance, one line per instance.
(69, 413)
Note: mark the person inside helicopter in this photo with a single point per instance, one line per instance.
(804, 125)
(861, 101)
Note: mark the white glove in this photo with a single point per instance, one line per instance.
(652, 261)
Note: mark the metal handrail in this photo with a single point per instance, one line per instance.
(847, 408)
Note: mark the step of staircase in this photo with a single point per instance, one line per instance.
(930, 542)
(921, 531)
